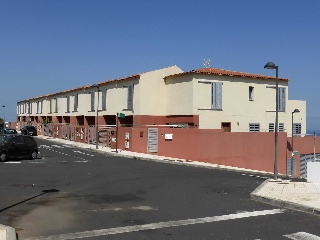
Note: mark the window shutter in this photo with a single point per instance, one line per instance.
(56, 106)
(68, 104)
(104, 100)
(92, 101)
(282, 99)
(130, 97)
(50, 106)
(75, 106)
(216, 95)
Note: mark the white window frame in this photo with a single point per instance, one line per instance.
(254, 127)
(281, 127)
(296, 129)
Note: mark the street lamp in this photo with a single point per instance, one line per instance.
(97, 122)
(271, 65)
(4, 116)
(294, 111)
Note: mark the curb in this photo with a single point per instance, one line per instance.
(7, 233)
(282, 203)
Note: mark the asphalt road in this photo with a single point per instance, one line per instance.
(72, 193)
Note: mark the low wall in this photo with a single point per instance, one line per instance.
(251, 150)
(245, 150)
(313, 172)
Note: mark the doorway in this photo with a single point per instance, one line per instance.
(226, 126)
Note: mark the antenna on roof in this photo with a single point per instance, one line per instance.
(206, 62)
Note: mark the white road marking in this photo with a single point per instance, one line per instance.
(44, 146)
(117, 209)
(136, 228)
(88, 154)
(302, 236)
(12, 162)
(57, 146)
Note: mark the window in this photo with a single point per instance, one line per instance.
(56, 105)
(271, 127)
(296, 129)
(38, 107)
(30, 108)
(281, 127)
(68, 104)
(282, 99)
(75, 103)
(130, 97)
(50, 106)
(216, 95)
(92, 102)
(104, 100)
(254, 127)
(251, 93)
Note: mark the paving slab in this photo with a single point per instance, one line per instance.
(301, 196)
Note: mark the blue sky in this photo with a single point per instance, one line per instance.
(50, 46)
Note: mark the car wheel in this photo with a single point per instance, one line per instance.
(3, 156)
(33, 155)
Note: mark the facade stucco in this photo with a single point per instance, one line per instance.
(171, 92)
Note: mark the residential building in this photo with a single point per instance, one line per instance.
(206, 98)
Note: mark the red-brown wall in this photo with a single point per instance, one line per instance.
(244, 150)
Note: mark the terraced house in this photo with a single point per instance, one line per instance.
(206, 98)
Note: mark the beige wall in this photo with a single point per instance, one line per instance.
(191, 94)
(185, 94)
(152, 99)
(179, 95)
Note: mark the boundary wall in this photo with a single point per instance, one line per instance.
(250, 150)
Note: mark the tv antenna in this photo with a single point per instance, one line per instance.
(206, 63)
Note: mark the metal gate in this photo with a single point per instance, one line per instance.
(291, 167)
(304, 159)
(152, 140)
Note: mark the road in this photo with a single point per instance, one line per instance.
(73, 193)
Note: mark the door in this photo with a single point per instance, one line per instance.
(226, 126)
(152, 140)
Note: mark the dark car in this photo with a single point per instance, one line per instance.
(9, 131)
(29, 130)
(17, 146)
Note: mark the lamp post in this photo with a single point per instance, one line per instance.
(97, 116)
(271, 65)
(4, 116)
(294, 111)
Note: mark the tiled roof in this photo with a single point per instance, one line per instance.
(217, 71)
(83, 87)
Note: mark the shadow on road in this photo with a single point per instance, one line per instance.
(40, 194)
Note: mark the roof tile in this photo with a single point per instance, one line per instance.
(217, 71)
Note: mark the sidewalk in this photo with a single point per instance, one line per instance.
(300, 196)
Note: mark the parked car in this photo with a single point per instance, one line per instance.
(17, 146)
(8, 131)
(29, 130)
